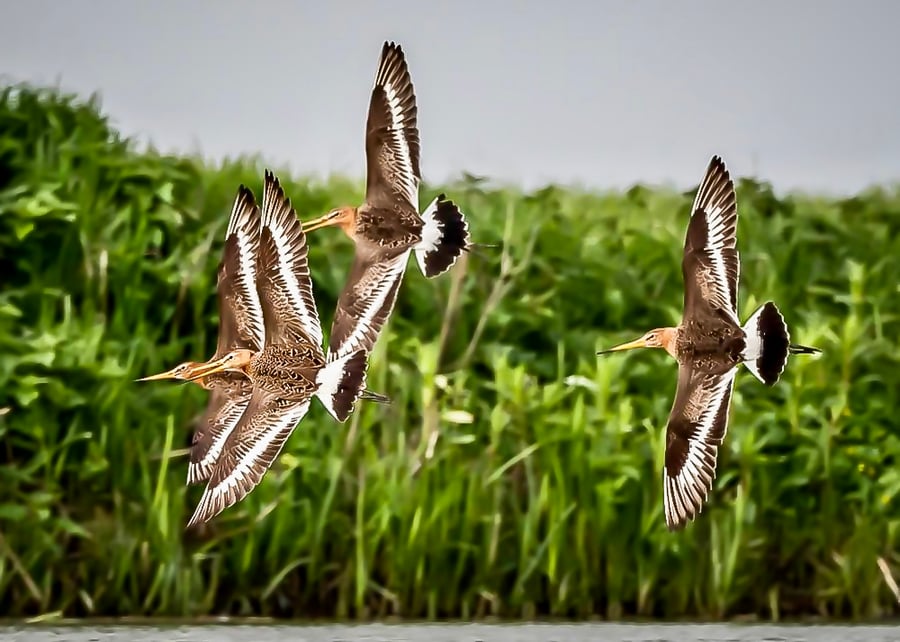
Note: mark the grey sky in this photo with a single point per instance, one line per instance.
(805, 93)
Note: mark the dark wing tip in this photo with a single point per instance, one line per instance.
(273, 185)
(684, 499)
(679, 523)
(393, 68)
(715, 203)
(277, 207)
(692, 442)
(391, 48)
(243, 211)
(717, 188)
(245, 195)
(718, 164)
(204, 511)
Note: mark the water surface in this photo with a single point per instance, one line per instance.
(454, 633)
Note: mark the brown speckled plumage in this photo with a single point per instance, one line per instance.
(708, 345)
(388, 226)
(288, 370)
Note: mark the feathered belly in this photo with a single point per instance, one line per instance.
(717, 352)
(286, 372)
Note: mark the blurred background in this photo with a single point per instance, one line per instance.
(515, 474)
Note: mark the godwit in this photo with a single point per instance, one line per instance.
(388, 227)
(278, 371)
(240, 327)
(709, 344)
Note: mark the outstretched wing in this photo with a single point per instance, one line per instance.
(711, 265)
(240, 312)
(696, 428)
(229, 395)
(248, 452)
(285, 286)
(365, 303)
(392, 135)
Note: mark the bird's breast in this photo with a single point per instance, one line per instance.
(389, 228)
(289, 371)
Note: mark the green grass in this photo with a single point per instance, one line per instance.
(515, 474)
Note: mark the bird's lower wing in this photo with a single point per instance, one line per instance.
(366, 303)
(249, 451)
(697, 425)
(229, 395)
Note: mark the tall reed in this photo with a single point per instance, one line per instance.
(515, 473)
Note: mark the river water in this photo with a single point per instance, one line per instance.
(453, 633)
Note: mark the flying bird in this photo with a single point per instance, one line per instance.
(709, 344)
(240, 327)
(288, 371)
(388, 227)
(269, 362)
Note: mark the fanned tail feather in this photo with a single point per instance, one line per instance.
(341, 382)
(445, 236)
(768, 344)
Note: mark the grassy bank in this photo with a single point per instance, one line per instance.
(515, 473)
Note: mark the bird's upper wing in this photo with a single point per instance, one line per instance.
(285, 286)
(392, 135)
(240, 313)
(711, 265)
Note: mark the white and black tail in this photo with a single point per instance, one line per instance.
(342, 382)
(768, 344)
(445, 235)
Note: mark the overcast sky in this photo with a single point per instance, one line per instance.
(804, 93)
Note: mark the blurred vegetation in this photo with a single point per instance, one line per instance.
(515, 473)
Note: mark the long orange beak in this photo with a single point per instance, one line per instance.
(322, 221)
(206, 369)
(168, 374)
(637, 343)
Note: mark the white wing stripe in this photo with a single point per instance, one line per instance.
(228, 421)
(247, 279)
(285, 422)
(248, 246)
(689, 488)
(381, 292)
(407, 179)
(716, 242)
(286, 264)
(710, 199)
